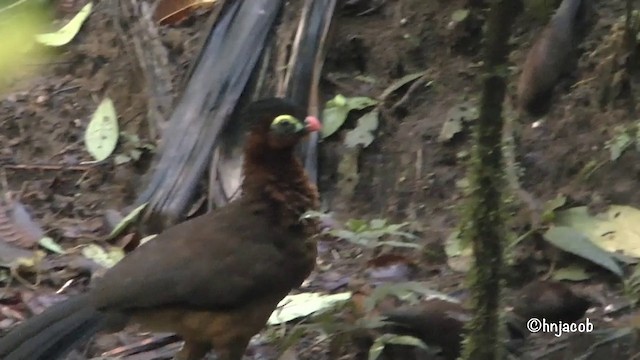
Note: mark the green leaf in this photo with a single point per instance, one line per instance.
(49, 244)
(304, 304)
(450, 128)
(616, 230)
(376, 350)
(405, 80)
(456, 117)
(121, 159)
(400, 244)
(67, 32)
(394, 227)
(379, 344)
(332, 120)
(463, 184)
(619, 144)
(453, 245)
(356, 225)
(459, 15)
(368, 234)
(459, 253)
(555, 203)
(571, 273)
(572, 241)
(404, 340)
(360, 102)
(336, 111)
(343, 234)
(131, 217)
(362, 134)
(377, 223)
(101, 136)
(102, 257)
(404, 234)
(551, 206)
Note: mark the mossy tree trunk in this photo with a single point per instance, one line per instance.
(485, 228)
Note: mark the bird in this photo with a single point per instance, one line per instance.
(443, 322)
(550, 300)
(436, 322)
(214, 279)
(550, 56)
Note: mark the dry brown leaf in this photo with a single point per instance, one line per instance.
(38, 303)
(390, 267)
(17, 227)
(11, 313)
(174, 11)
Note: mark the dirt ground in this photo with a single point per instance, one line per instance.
(406, 175)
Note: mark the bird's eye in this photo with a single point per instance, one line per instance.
(286, 124)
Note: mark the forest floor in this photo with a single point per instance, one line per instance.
(406, 175)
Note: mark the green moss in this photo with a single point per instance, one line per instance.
(484, 226)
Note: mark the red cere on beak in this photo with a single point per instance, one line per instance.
(312, 124)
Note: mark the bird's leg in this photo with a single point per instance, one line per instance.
(193, 351)
(234, 350)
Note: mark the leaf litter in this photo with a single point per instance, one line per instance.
(101, 136)
(16, 225)
(337, 109)
(348, 252)
(65, 34)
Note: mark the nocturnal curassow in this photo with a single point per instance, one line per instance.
(215, 279)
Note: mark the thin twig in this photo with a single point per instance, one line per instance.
(295, 45)
(64, 89)
(65, 149)
(50, 167)
(511, 167)
(314, 94)
(405, 98)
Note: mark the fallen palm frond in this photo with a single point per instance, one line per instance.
(220, 76)
(291, 68)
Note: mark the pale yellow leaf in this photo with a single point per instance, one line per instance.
(67, 32)
(102, 134)
(304, 304)
(131, 217)
(617, 229)
(100, 256)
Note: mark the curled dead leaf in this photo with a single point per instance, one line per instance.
(16, 225)
(175, 11)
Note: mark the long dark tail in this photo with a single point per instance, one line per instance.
(52, 334)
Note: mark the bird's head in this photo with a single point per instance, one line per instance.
(279, 124)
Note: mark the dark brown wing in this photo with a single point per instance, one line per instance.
(216, 261)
